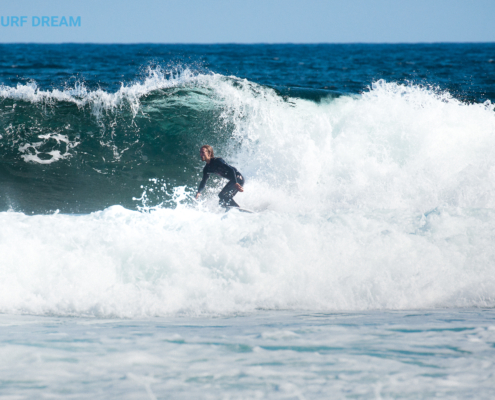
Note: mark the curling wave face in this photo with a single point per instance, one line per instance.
(378, 200)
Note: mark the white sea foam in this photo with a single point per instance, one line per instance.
(31, 151)
(127, 264)
(379, 201)
(393, 147)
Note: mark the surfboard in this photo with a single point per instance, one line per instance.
(239, 209)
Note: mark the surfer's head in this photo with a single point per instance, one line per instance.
(206, 153)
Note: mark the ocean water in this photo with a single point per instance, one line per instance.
(367, 271)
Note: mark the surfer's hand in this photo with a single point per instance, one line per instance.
(239, 187)
(197, 195)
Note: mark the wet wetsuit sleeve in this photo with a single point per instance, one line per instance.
(231, 172)
(203, 182)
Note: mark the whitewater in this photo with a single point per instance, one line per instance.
(366, 271)
(378, 201)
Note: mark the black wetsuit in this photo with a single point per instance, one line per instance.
(221, 168)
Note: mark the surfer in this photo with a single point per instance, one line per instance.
(216, 165)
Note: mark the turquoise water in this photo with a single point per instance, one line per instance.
(267, 354)
(367, 271)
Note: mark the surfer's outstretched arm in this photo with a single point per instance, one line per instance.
(202, 184)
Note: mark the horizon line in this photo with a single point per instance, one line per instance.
(251, 43)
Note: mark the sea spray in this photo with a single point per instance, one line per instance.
(393, 147)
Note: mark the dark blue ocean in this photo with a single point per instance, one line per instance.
(367, 269)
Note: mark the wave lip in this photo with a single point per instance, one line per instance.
(99, 100)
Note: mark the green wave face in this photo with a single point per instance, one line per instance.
(84, 152)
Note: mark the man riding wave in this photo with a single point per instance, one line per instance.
(216, 165)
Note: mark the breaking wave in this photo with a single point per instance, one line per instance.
(380, 200)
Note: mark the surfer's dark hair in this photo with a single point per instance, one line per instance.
(209, 148)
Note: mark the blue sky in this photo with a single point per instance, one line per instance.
(252, 21)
